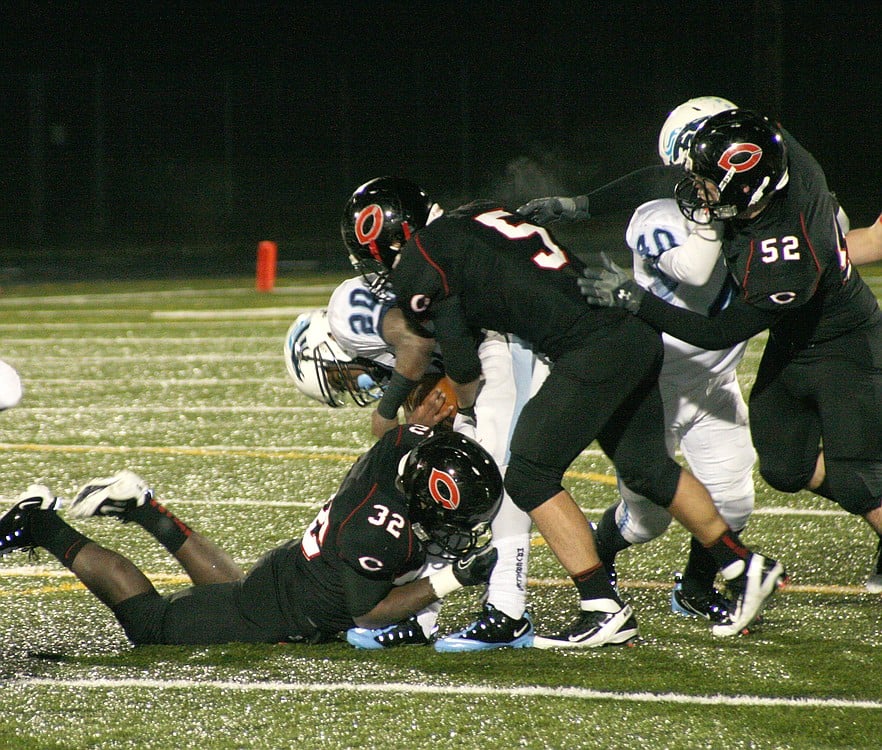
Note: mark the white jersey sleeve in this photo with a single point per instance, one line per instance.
(355, 317)
(695, 256)
(657, 229)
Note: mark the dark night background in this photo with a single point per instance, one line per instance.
(161, 138)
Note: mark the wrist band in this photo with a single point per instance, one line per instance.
(395, 395)
(444, 582)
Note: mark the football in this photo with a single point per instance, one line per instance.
(445, 385)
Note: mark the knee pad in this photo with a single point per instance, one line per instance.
(529, 485)
(640, 520)
(783, 478)
(655, 480)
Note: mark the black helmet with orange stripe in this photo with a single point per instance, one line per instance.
(378, 219)
(454, 489)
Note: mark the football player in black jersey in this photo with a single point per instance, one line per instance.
(816, 405)
(413, 492)
(691, 264)
(483, 267)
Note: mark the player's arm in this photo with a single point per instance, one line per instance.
(413, 352)
(624, 193)
(865, 243)
(459, 349)
(398, 604)
(694, 261)
(403, 601)
(737, 322)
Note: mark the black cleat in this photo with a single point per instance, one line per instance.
(710, 605)
(602, 622)
(493, 629)
(15, 524)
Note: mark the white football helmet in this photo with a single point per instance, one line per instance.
(10, 386)
(677, 131)
(322, 370)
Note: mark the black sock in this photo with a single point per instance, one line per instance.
(51, 532)
(594, 584)
(168, 530)
(728, 549)
(609, 539)
(701, 569)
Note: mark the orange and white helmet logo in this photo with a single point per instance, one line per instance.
(443, 490)
(369, 224)
(740, 157)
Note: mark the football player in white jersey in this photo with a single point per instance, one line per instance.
(705, 415)
(361, 329)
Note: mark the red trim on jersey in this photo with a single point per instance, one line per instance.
(747, 270)
(357, 508)
(416, 239)
(814, 254)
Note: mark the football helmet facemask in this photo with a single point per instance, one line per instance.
(323, 371)
(454, 489)
(736, 159)
(378, 219)
(682, 122)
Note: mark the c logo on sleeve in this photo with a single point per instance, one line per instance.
(782, 298)
(371, 564)
(443, 490)
(419, 303)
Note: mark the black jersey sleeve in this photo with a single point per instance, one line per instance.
(635, 188)
(456, 340)
(426, 294)
(735, 323)
(376, 544)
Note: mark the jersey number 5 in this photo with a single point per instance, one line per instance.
(551, 257)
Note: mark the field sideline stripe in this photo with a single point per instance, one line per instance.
(456, 691)
(178, 578)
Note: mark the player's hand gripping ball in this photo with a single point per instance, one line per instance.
(445, 385)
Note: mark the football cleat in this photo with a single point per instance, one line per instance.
(602, 622)
(493, 629)
(711, 605)
(751, 589)
(15, 524)
(405, 633)
(874, 582)
(111, 496)
(613, 575)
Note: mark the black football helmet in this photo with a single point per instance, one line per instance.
(454, 489)
(743, 154)
(378, 219)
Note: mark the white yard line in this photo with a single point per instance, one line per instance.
(573, 693)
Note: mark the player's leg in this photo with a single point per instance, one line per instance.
(34, 522)
(128, 498)
(633, 443)
(851, 462)
(557, 424)
(503, 621)
(716, 443)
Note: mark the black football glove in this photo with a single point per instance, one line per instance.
(545, 210)
(475, 568)
(610, 286)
